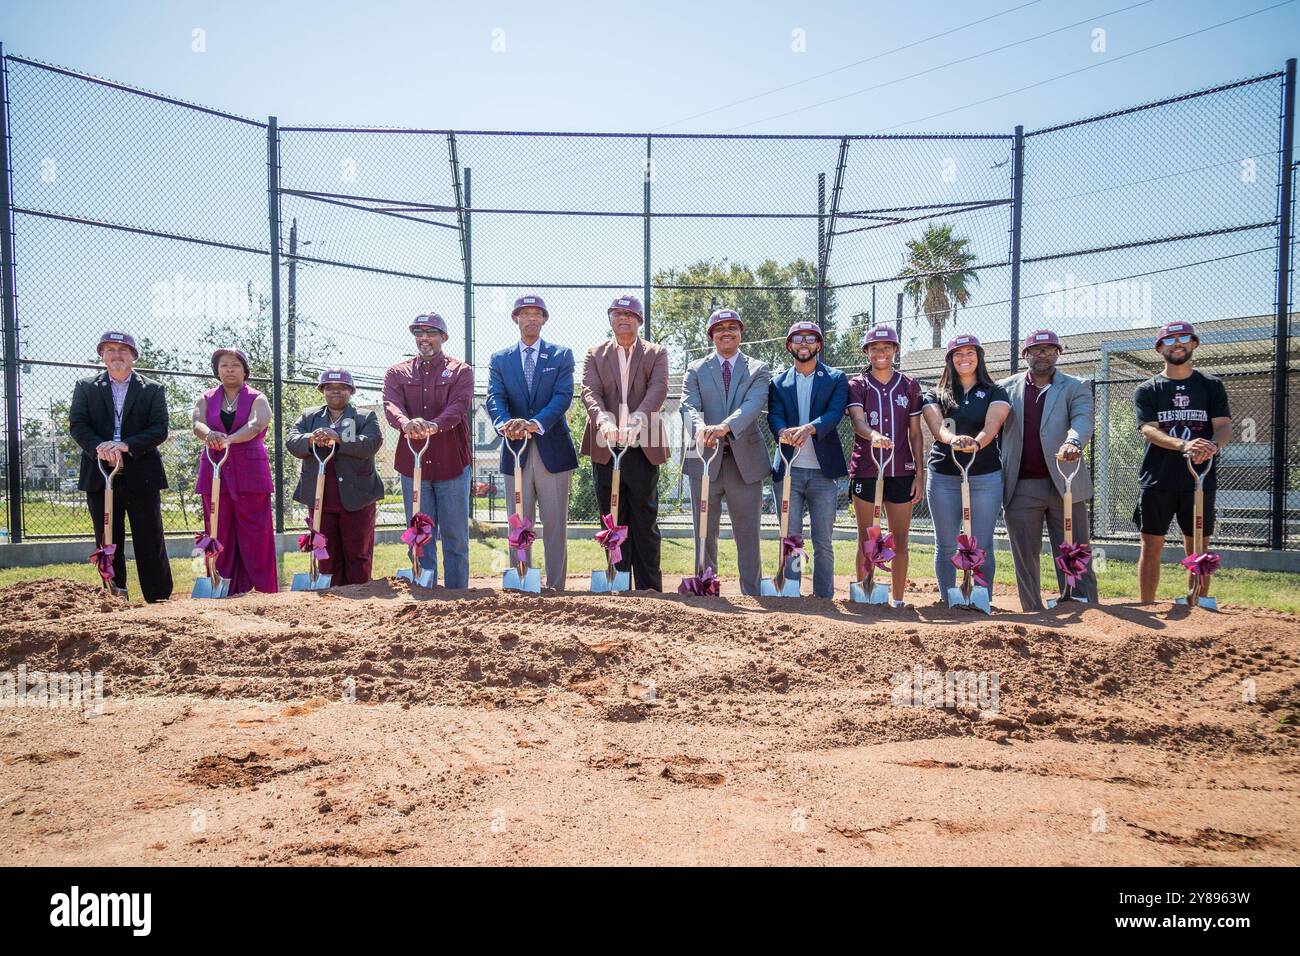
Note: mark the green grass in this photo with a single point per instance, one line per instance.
(1278, 591)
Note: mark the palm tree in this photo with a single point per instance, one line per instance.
(938, 277)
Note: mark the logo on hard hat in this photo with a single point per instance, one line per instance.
(530, 299)
(1042, 336)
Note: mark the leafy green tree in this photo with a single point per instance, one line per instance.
(938, 276)
(680, 308)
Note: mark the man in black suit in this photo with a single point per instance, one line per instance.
(121, 416)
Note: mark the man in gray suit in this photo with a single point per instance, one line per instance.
(1051, 416)
(723, 396)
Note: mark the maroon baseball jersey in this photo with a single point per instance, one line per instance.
(890, 409)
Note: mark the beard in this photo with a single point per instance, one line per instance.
(1179, 359)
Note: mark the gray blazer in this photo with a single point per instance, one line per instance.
(1067, 413)
(705, 404)
(354, 457)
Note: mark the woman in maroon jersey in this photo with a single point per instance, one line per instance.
(885, 405)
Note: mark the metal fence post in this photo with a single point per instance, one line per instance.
(13, 445)
(645, 282)
(1281, 343)
(277, 378)
(469, 270)
(821, 247)
(1017, 197)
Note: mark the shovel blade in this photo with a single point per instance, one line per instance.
(1053, 602)
(979, 598)
(424, 579)
(858, 593)
(880, 594)
(204, 588)
(789, 588)
(956, 598)
(1209, 603)
(531, 582)
(601, 584)
(303, 581)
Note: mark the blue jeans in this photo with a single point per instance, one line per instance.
(447, 503)
(943, 492)
(811, 489)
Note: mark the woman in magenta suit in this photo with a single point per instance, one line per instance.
(236, 416)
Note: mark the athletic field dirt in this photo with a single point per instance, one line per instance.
(371, 725)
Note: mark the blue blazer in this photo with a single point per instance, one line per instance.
(830, 394)
(552, 394)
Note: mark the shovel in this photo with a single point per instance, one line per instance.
(521, 577)
(1199, 564)
(612, 580)
(313, 580)
(102, 557)
(788, 548)
(213, 585)
(969, 556)
(1073, 559)
(867, 591)
(705, 581)
(417, 534)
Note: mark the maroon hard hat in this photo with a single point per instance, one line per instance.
(627, 303)
(530, 302)
(117, 338)
(1041, 337)
(961, 341)
(880, 333)
(339, 376)
(723, 315)
(237, 353)
(1176, 328)
(805, 326)
(432, 320)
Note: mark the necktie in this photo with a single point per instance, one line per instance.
(530, 366)
(726, 379)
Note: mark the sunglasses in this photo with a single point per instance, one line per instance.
(804, 339)
(1179, 339)
(426, 333)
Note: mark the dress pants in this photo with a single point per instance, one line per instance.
(1034, 501)
(638, 508)
(144, 510)
(350, 541)
(549, 493)
(247, 536)
(745, 508)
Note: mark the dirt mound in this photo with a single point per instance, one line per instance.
(816, 674)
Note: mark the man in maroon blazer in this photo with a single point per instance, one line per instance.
(624, 385)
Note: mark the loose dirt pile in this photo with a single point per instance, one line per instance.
(371, 724)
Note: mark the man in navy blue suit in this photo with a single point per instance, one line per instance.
(804, 406)
(530, 388)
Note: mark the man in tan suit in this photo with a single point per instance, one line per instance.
(624, 385)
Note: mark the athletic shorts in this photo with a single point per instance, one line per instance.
(1156, 511)
(898, 489)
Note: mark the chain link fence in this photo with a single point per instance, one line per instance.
(311, 247)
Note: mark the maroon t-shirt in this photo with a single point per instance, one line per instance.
(890, 409)
(1032, 462)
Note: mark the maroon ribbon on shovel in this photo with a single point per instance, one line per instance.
(207, 544)
(970, 557)
(1202, 565)
(521, 536)
(878, 549)
(102, 559)
(1072, 560)
(612, 538)
(314, 542)
(792, 546)
(706, 585)
(418, 533)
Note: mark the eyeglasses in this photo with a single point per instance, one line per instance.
(425, 332)
(805, 339)
(1171, 339)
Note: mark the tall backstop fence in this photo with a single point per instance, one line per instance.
(313, 246)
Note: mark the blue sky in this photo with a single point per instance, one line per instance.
(752, 67)
(632, 67)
